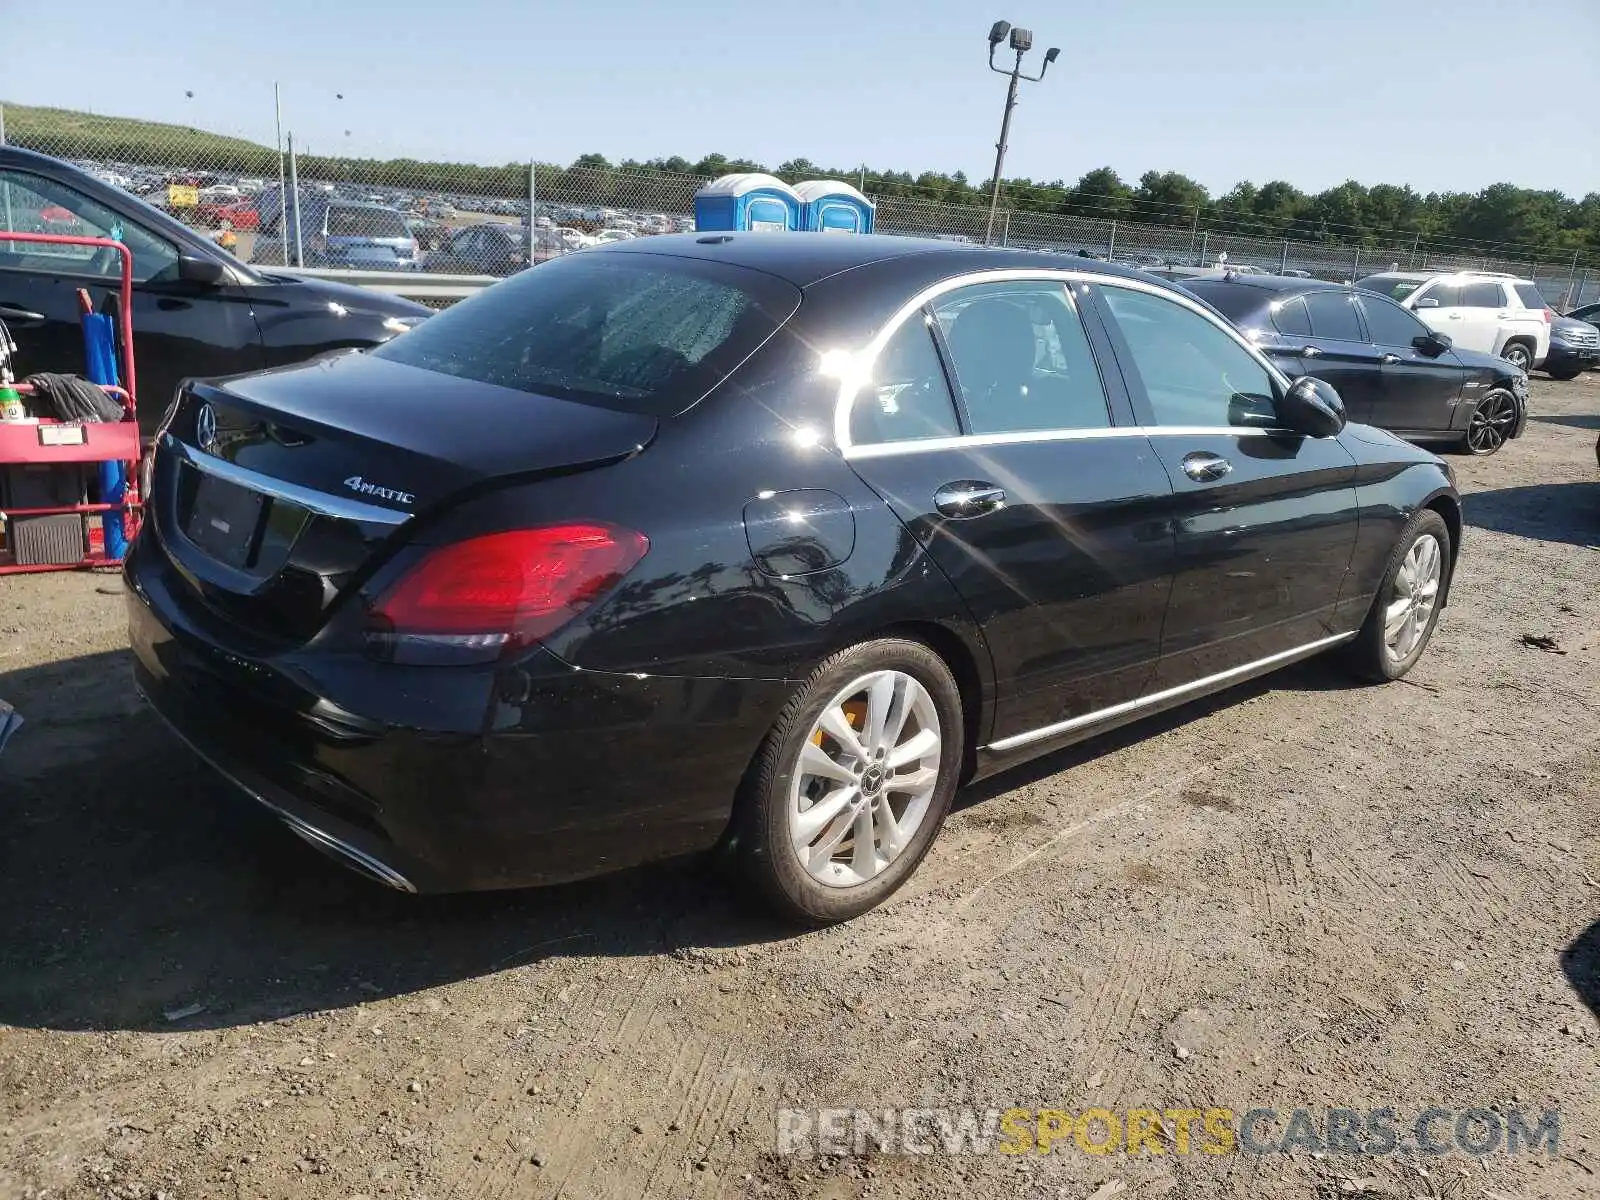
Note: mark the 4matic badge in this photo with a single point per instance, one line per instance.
(357, 484)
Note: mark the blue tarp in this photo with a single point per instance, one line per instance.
(100, 366)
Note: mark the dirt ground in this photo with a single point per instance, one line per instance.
(1299, 894)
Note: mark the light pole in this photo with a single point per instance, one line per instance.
(1021, 40)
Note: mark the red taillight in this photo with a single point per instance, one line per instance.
(1548, 316)
(503, 591)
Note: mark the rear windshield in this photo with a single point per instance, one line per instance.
(1232, 301)
(1529, 295)
(644, 333)
(366, 222)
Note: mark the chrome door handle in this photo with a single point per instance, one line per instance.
(1310, 352)
(1205, 467)
(969, 498)
(1388, 360)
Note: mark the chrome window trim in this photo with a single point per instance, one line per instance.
(320, 503)
(867, 356)
(1173, 693)
(977, 440)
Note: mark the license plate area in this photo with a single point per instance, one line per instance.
(224, 520)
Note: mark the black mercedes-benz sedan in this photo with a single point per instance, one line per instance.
(756, 542)
(1390, 368)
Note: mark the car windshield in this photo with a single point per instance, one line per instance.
(641, 333)
(1388, 285)
(366, 222)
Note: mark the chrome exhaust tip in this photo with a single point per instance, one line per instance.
(357, 860)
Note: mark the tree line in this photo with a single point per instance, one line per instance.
(1494, 221)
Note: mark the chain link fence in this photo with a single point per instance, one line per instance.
(298, 208)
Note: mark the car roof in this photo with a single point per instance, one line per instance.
(803, 259)
(1275, 284)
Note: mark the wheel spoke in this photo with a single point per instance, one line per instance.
(890, 835)
(881, 698)
(814, 760)
(1394, 618)
(912, 781)
(864, 854)
(811, 822)
(837, 726)
(829, 842)
(923, 743)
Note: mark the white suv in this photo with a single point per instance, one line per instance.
(1479, 310)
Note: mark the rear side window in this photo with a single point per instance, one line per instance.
(1291, 318)
(643, 333)
(1529, 295)
(1333, 315)
(908, 398)
(1486, 294)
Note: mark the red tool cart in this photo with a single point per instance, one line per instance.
(44, 446)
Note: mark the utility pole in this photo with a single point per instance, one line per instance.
(1021, 40)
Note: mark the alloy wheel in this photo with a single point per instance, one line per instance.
(865, 778)
(1517, 355)
(1416, 591)
(1491, 423)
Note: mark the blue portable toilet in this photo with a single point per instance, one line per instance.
(748, 201)
(832, 206)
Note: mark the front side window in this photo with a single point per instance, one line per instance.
(1193, 372)
(1443, 295)
(907, 399)
(1485, 294)
(1390, 324)
(643, 333)
(1021, 358)
(35, 204)
(1333, 316)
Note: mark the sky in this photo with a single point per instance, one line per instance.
(1444, 95)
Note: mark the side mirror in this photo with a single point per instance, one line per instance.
(1312, 407)
(192, 268)
(1428, 302)
(1432, 344)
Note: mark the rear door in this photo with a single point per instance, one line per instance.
(1345, 356)
(1264, 519)
(1418, 391)
(988, 426)
(180, 328)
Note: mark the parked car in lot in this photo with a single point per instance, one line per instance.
(197, 310)
(335, 233)
(1390, 368)
(481, 250)
(1479, 310)
(752, 541)
(1574, 348)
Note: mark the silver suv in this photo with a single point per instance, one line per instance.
(1479, 310)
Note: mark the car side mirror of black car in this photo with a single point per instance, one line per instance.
(1312, 407)
(1432, 344)
(192, 268)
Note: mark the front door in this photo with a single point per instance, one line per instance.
(1264, 519)
(1419, 391)
(1048, 519)
(179, 328)
(1345, 356)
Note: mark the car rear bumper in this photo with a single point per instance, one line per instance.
(452, 779)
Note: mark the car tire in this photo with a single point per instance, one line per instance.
(1565, 374)
(1518, 354)
(1406, 608)
(852, 784)
(1490, 425)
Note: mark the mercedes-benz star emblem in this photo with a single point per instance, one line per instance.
(205, 428)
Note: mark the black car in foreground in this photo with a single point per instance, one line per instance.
(761, 540)
(197, 310)
(1391, 370)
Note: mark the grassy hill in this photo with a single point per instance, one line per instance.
(68, 134)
